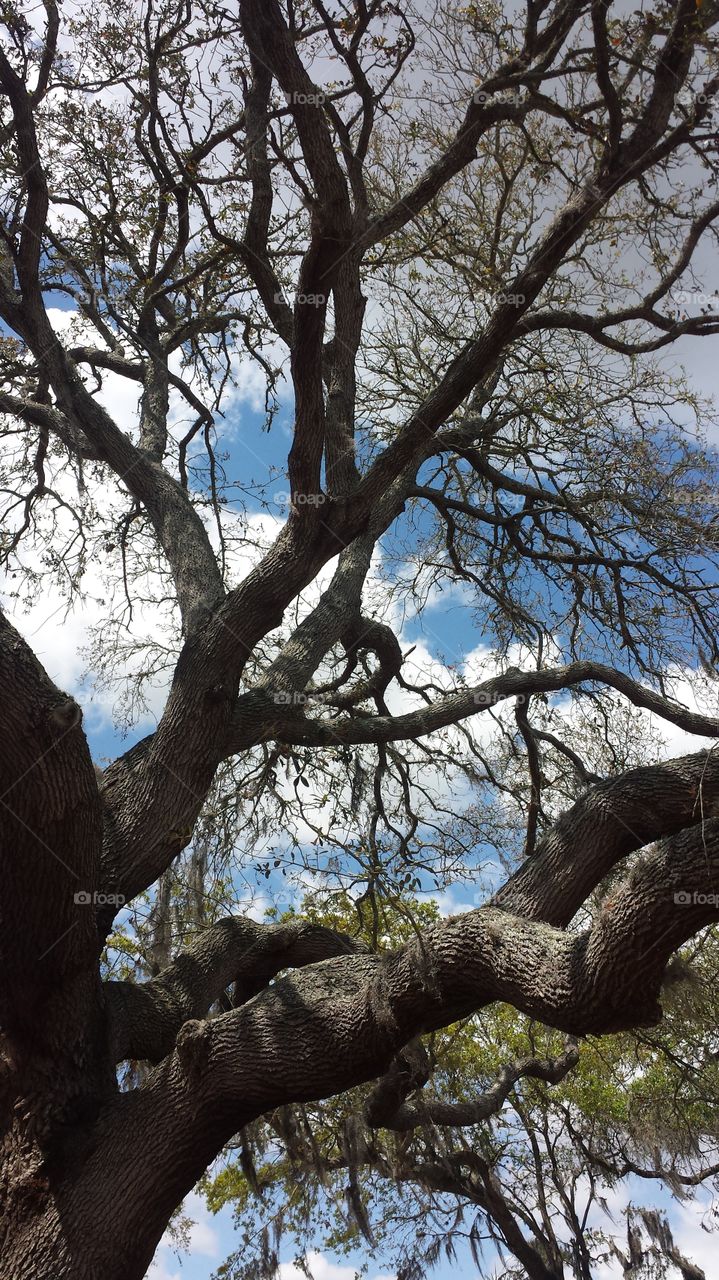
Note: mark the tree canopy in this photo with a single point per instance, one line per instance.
(448, 258)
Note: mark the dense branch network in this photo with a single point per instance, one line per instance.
(475, 407)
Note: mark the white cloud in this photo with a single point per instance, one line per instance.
(698, 694)
(120, 396)
(455, 900)
(322, 1269)
(159, 1270)
(204, 1239)
(689, 1224)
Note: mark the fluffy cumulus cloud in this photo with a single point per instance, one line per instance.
(321, 1268)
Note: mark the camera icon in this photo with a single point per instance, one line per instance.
(682, 898)
(83, 898)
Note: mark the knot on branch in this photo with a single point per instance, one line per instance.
(65, 715)
(410, 1070)
(193, 1049)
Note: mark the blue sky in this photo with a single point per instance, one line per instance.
(213, 1238)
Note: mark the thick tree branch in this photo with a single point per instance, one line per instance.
(424, 1111)
(459, 706)
(144, 1019)
(340, 1022)
(51, 827)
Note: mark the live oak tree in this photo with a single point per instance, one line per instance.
(532, 1179)
(461, 245)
